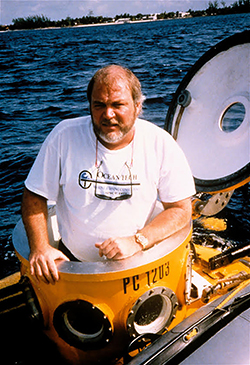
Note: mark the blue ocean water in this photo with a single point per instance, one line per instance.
(44, 79)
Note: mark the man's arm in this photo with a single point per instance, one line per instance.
(174, 217)
(42, 256)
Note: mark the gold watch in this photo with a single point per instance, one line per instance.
(142, 240)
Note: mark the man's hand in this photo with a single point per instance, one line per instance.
(43, 264)
(118, 248)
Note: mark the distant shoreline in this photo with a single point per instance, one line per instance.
(6, 28)
(34, 22)
(103, 24)
(90, 25)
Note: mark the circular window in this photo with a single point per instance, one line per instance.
(82, 325)
(152, 312)
(233, 117)
(151, 315)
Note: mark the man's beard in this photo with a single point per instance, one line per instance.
(112, 137)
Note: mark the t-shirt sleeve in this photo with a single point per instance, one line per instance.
(44, 176)
(176, 181)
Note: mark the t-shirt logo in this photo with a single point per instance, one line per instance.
(85, 179)
(110, 186)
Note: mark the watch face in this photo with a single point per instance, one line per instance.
(141, 239)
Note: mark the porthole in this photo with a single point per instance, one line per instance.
(233, 117)
(82, 325)
(152, 312)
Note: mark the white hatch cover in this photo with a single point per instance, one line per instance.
(209, 115)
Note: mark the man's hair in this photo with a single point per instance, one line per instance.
(125, 74)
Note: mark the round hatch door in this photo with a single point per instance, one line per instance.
(209, 116)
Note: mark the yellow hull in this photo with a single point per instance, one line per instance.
(97, 309)
(115, 295)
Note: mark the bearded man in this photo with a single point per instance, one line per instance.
(105, 172)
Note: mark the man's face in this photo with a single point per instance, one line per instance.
(113, 112)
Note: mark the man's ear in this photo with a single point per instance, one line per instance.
(138, 108)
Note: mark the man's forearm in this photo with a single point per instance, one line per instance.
(174, 217)
(34, 215)
(43, 257)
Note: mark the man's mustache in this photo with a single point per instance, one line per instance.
(109, 122)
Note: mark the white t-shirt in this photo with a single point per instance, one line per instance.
(102, 193)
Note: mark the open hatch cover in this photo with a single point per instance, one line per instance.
(209, 116)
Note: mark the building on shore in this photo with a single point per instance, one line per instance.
(122, 21)
(183, 14)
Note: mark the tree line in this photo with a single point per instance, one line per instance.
(41, 21)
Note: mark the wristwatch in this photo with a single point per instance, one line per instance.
(142, 240)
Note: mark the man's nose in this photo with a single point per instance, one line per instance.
(109, 112)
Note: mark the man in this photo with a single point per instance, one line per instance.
(105, 173)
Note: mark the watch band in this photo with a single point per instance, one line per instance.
(142, 240)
